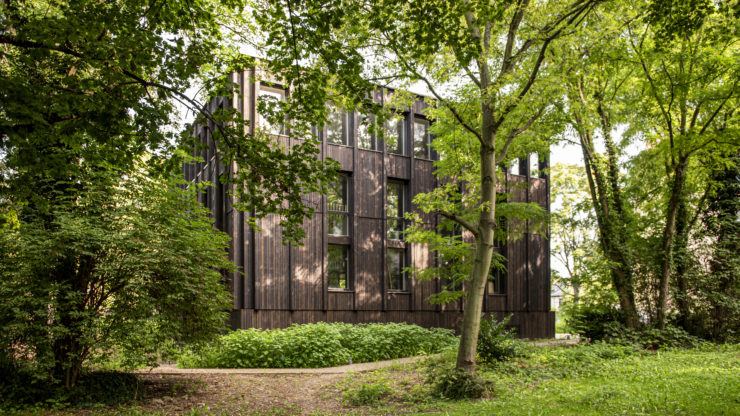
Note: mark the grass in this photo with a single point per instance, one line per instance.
(599, 379)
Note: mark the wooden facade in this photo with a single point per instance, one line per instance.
(278, 285)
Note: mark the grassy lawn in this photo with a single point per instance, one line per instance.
(582, 380)
(684, 382)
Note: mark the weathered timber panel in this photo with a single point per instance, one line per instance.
(368, 180)
(341, 300)
(398, 301)
(341, 154)
(306, 289)
(273, 266)
(368, 256)
(398, 166)
(539, 285)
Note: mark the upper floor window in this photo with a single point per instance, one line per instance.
(366, 137)
(422, 148)
(338, 206)
(534, 165)
(395, 135)
(395, 208)
(514, 166)
(270, 96)
(337, 126)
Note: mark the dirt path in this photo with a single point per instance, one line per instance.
(243, 394)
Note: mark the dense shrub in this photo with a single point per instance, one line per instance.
(21, 387)
(318, 345)
(592, 321)
(496, 342)
(652, 338)
(451, 383)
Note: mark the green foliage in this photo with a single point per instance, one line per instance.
(369, 394)
(448, 382)
(318, 345)
(20, 389)
(125, 263)
(592, 321)
(652, 338)
(496, 342)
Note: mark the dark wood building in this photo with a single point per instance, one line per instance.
(349, 267)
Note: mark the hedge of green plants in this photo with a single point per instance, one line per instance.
(318, 345)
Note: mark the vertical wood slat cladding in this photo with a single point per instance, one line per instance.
(307, 272)
(341, 154)
(398, 166)
(368, 180)
(273, 272)
(369, 278)
(270, 293)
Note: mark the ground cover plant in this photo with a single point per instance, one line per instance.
(318, 345)
(588, 379)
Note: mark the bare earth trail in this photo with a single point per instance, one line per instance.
(174, 391)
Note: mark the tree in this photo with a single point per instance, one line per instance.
(88, 91)
(692, 90)
(127, 262)
(486, 54)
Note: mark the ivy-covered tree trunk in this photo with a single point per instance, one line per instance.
(677, 188)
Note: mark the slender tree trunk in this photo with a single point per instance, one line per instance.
(483, 249)
(679, 179)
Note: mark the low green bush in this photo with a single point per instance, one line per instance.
(368, 394)
(318, 345)
(450, 383)
(592, 321)
(652, 338)
(496, 342)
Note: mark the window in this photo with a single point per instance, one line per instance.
(336, 127)
(394, 208)
(421, 139)
(396, 262)
(395, 135)
(338, 266)
(497, 281)
(514, 167)
(366, 139)
(338, 206)
(270, 97)
(534, 165)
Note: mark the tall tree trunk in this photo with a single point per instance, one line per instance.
(677, 189)
(483, 249)
(683, 227)
(611, 222)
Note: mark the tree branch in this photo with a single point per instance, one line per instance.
(460, 220)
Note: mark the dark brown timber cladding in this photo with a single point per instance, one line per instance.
(278, 285)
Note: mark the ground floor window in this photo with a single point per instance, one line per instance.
(338, 266)
(396, 262)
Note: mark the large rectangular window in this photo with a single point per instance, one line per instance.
(338, 206)
(337, 126)
(396, 262)
(422, 148)
(366, 136)
(269, 99)
(395, 208)
(338, 266)
(395, 135)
